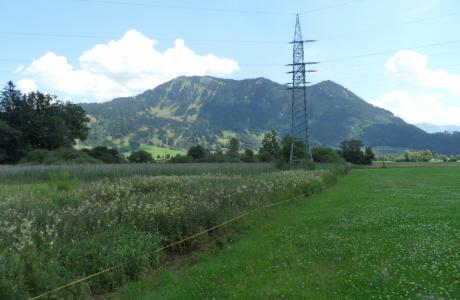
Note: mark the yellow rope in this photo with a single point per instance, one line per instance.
(170, 245)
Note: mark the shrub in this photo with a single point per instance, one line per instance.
(57, 157)
(197, 152)
(326, 155)
(248, 156)
(106, 155)
(140, 156)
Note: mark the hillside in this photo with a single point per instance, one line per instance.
(207, 110)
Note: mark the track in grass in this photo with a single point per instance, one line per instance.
(378, 233)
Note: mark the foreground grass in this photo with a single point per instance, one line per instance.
(91, 172)
(379, 233)
(53, 233)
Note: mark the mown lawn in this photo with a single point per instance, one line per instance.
(379, 233)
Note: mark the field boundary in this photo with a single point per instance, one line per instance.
(237, 217)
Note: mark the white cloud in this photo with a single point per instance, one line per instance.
(123, 68)
(420, 108)
(411, 68)
(27, 85)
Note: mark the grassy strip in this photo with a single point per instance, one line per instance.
(68, 231)
(28, 173)
(384, 234)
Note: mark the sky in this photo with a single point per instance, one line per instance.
(402, 55)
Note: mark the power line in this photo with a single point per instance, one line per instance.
(342, 35)
(328, 7)
(226, 10)
(390, 51)
(61, 35)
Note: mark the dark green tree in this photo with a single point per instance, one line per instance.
(233, 147)
(11, 149)
(248, 156)
(326, 155)
(369, 156)
(140, 156)
(270, 147)
(351, 151)
(42, 121)
(197, 152)
(300, 149)
(106, 155)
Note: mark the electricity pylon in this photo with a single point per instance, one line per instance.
(299, 113)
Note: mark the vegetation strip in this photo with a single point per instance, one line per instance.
(54, 232)
(172, 244)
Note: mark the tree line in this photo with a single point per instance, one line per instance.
(275, 150)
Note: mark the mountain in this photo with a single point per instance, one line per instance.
(433, 128)
(208, 110)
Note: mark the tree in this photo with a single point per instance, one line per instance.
(369, 156)
(270, 147)
(10, 147)
(140, 156)
(197, 152)
(300, 149)
(42, 121)
(234, 147)
(248, 156)
(326, 155)
(351, 151)
(106, 155)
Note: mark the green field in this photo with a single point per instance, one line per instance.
(162, 152)
(59, 228)
(91, 172)
(389, 233)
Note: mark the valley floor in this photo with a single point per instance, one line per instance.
(379, 233)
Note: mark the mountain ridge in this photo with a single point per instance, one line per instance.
(208, 110)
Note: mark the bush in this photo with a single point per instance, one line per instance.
(62, 156)
(197, 152)
(326, 155)
(106, 155)
(140, 156)
(248, 156)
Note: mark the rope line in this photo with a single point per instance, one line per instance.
(172, 244)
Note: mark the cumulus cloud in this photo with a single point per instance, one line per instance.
(410, 67)
(424, 94)
(27, 85)
(419, 108)
(122, 68)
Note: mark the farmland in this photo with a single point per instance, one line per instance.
(56, 230)
(389, 233)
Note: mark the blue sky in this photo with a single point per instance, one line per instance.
(95, 50)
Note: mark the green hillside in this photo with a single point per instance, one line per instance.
(208, 110)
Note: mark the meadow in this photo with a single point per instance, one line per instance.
(91, 172)
(66, 222)
(391, 233)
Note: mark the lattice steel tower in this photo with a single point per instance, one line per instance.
(300, 147)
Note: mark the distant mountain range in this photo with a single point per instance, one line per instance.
(433, 128)
(207, 110)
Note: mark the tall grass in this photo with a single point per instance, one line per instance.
(90, 172)
(67, 231)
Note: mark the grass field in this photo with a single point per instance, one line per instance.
(162, 152)
(389, 233)
(26, 173)
(56, 230)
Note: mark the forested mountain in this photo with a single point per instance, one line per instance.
(208, 110)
